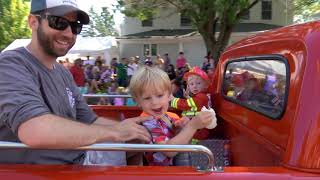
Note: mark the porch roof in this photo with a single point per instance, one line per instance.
(241, 28)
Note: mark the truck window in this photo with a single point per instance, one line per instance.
(258, 83)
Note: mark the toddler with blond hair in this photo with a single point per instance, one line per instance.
(151, 89)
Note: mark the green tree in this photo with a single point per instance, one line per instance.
(100, 24)
(208, 16)
(13, 21)
(304, 9)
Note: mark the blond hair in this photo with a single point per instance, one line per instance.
(149, 79)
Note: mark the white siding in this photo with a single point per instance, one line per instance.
(130, 50)
(171, 49)
(169, 20)
(280, 16)
(195, 51)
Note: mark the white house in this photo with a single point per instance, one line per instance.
(172, 32)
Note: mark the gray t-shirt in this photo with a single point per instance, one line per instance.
(28, 89)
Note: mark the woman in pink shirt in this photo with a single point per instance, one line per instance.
(181, 61)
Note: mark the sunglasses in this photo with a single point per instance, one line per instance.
(60, 23)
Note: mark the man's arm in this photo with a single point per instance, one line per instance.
(50, 131)
(105, 121)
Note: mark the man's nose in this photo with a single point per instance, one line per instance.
(68, 32)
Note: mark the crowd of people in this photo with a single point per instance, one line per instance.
(114, 79)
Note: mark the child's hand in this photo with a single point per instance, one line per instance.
(186, 93)
(213, 123)
(202, 120)
(181, 122)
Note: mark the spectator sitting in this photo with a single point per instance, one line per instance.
(106, 74)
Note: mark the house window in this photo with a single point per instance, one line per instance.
(185, 19)
(150, 49)
(266, 10)
(154, 49)
(258, 83)
(147, 23)
(246, 15)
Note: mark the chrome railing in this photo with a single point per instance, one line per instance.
(135, 148)
(107, 95)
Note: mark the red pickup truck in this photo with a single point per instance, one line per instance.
(264, 91)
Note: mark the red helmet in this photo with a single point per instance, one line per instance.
(198, 72)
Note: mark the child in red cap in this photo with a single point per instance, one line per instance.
(197, 84)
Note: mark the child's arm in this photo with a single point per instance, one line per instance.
(196, 102)
(180, 123)
(200, 121)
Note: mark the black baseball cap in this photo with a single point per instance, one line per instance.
(59, 8)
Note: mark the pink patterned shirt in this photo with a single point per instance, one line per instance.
(161, 130)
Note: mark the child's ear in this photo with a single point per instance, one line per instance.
(171, 97)
(135, 100)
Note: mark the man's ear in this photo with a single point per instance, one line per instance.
(33, 22)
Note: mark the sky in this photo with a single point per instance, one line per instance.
(86, 4)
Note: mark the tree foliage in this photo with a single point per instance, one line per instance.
(13, 21)
(101, 24)
(208, 16)
(304, 9)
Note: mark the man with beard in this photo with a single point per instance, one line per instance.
(40, 105)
